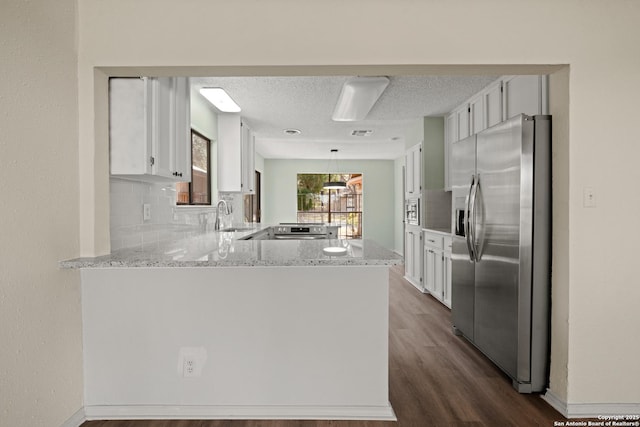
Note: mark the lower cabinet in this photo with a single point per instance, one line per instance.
(413, 256)
(437, 265)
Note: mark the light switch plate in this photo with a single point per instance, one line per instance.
(146, 212)
(588, 197)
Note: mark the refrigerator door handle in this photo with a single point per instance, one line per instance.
(473, 193)
(477, 211)
(468, 235)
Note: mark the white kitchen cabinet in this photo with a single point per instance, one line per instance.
(431, 273)
(477, 119)
(503, 99)
(524, 95)
(149, 128)
(182, 130)
(492, 96)
(248, 160)
(456, 127)
(235, 155)
(437, 265)
(413, 172)
(413, 256)
(446, 271)
(462, 121)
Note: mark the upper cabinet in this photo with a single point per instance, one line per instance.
(236, 155)
(413, 172)
(501, 100)
(149, 128)
(524, 95)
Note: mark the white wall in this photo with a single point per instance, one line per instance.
(244, 320)
(598, 40)
(40, 323)
(280, 201)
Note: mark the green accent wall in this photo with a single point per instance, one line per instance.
(378, 199)
(433, 153)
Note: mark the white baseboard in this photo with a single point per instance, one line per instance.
(415, 285)
(133, 412)
(76, 420)
(589, 410)
(557, 403)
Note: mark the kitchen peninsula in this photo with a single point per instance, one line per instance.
(211, 326)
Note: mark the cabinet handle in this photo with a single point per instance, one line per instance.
(431, 240)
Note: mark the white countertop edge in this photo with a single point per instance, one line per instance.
(432, 230)
(337, 261)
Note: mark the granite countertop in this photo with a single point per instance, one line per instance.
(223, 249)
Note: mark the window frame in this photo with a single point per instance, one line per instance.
(208, 177)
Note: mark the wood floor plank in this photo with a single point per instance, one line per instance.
(435, 378)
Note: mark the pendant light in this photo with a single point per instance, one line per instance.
(334, 185)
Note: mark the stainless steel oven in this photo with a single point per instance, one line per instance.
(295, 231)
(412, 211)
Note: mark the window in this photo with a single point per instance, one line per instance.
(252, 202)
(341, 207)
(198, 191)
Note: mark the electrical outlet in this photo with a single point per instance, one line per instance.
(191, 360)
(189, 367)
(146, 212)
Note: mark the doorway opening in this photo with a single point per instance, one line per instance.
(340, 207)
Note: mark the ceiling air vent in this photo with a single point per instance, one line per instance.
(361, 132)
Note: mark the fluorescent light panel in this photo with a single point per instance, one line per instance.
(220, 99)
(358, 96)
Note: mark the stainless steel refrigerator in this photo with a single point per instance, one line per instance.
(501, 255)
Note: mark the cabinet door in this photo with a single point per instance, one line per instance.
(417, 259)
(229, 153)
(248, 160)
(408, 174)
(130, 126)
(438, 275)
(477, 121)
(446, 273)
(429, 271)
(182, 130)
(163, 127)
(462, 118)
(522, 95)
(417, 170)
(493, 104)
(408, 254)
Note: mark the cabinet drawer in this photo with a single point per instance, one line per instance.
(433, 240)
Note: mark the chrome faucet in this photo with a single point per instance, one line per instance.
(226, 212)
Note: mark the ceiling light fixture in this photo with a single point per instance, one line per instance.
(334, 185)
(220, 99)
(358, 96)
(292, 131)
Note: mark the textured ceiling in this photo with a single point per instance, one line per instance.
(272, 104)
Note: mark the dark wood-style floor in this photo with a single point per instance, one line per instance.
(435, 378)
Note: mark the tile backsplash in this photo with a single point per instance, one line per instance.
(168, 221)
(437, 209)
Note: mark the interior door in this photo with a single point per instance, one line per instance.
(463, 167)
